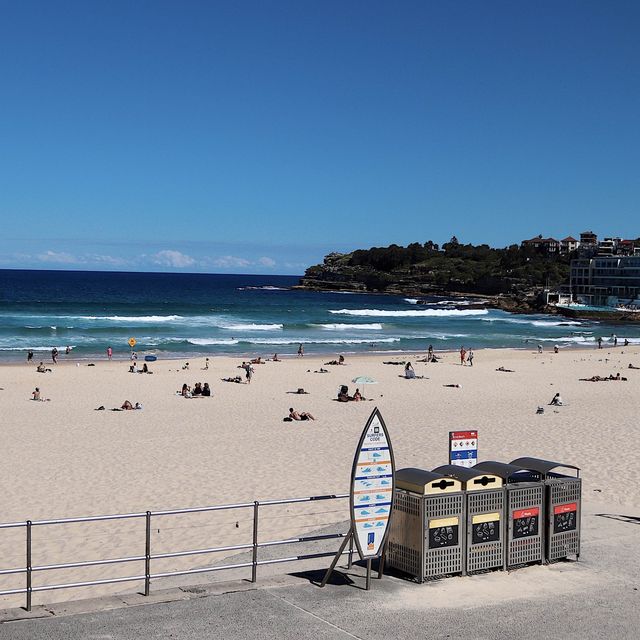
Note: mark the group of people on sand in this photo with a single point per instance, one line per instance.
(466, 356)
(199, 390)
(343, 395)
(605, 378)
(133, 368)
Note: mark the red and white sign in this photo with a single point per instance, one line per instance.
(565, 508)
(463, 448)
(526, 513)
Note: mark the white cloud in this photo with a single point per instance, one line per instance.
(267, 262)
(170, 258)
(228, 262)
(112, 261)
(59, 257)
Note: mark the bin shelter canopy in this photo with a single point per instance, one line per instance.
(543, 466)
(475, 479)
(508, 472)
(426, 482)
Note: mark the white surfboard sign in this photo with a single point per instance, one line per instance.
(372, 485)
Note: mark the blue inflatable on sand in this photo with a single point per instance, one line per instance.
(150, 358)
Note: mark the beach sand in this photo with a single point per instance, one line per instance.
(62, 458)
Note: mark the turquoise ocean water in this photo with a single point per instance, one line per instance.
(175, 315)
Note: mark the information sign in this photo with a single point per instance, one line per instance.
(463, 448)
(372, 485)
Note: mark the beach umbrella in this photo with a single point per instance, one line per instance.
(362, 380)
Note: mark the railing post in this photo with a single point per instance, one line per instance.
(28, 607)
(147, 555)
(254, 560)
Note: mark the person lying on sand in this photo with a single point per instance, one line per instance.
(257, 360)
(339, 361)
(321, 370)
(391, 362)
(505, 370)
(632, 367)
(237, 379)
(302, 415)
(605, 379)
(455, 386)
(300, 391)
(127, 406)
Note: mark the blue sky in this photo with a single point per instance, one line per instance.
(255, 137)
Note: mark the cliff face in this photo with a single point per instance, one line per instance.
(498, 290)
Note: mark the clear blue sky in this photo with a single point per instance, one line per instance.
(257, 136)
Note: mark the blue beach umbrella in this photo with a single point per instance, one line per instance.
(362, 380)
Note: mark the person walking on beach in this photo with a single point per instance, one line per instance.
(109, 353)
(470, 357)
(599, 342)
(54, 355)
(300, 351)
(29, 355)
(463, 355)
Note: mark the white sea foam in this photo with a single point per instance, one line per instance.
(209, 341)
(131, 319)
(284, 341)
(411, 300)
(253, 327)
(536, 323)
(413, 313)
(374, 326)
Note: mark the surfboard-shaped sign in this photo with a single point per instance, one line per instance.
(372, 485)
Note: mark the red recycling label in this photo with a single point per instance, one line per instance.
(526, 513)
(565, 508)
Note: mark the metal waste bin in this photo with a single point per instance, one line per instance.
(523, 510)
(426, 531)
(562, 507)
(484, 510)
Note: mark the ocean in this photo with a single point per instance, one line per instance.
(187, 315)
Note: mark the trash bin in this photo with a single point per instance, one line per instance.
(484, 510)
(524, 508)
(426, 531)
(562, 507)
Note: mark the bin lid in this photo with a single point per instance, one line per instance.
(426, 482)
(542, 466)
(508, 472)
(475, 479)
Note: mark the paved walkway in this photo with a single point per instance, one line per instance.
(597, 597)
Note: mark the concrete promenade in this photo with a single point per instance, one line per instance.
(597, 597)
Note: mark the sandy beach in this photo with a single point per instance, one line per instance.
(62, 458)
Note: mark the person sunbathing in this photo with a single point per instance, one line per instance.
(36, 395)
(302, 415)
(357, 396)
(632, 367)
(237, 379)
(257, 360)
(275, 358)
(505, 370)
(408, 371)
(42, 369)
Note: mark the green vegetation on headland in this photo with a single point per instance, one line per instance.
(511, 278)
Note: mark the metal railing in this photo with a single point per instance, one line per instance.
(148, 557)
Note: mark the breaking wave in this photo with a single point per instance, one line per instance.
(413, 313)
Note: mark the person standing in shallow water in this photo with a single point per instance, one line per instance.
(30, 355)
(109, 353)
(300, 351)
